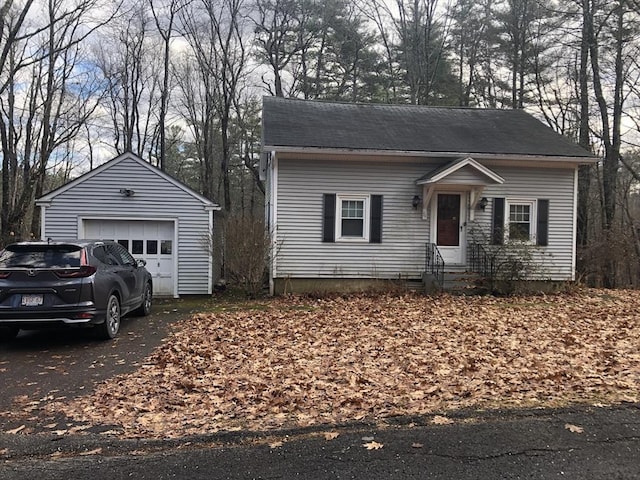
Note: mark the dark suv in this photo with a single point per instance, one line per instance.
(79, 282)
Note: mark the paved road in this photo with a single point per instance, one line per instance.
(524, 445)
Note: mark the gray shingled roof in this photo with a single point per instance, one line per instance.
(303, 123)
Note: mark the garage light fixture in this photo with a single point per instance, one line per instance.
(127, 192)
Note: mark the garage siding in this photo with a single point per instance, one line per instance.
(155, 198)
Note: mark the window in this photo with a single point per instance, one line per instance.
(521, 225)
(352, 218)
(136, 247)
(121, 254)
(100, 254)
(521, 220)
(40, 256)
(152, 247)
(165, 247)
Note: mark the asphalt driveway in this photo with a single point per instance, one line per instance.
(41, 365)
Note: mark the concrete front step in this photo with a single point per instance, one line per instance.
(462, 283)
(457, 283)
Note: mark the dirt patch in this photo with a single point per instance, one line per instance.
(293, 362)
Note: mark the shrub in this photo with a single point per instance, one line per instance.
(242, 243)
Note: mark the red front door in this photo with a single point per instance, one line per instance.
(448, 220)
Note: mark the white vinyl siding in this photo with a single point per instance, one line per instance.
(300, 252)
(555, 184)
(155, 199)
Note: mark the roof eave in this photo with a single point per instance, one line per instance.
(428, 154)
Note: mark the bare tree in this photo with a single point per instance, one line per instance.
(45, 99)
(164, 18)
(197, 105)
(609, 40)
(279, 37)
(126, 59)
(216, 33)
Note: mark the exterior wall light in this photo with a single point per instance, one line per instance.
(483, 203)
(415, 202)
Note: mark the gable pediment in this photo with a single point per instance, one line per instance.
(463, 171)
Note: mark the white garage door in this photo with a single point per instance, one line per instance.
(145, 239)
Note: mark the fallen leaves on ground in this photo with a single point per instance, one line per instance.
(331, 435)
(373, 445)
(573, 428)
(440, 420)
(298, 361)
(95, 451)
(13, 431)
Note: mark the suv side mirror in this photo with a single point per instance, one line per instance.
(142, 262)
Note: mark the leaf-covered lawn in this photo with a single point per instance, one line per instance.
(298, 361)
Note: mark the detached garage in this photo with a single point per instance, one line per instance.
(156, 217)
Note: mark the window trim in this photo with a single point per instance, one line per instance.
(533, 218)
(366, 213)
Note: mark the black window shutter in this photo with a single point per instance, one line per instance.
(542, 234)
(329, 218)
(497, 229)
(375, 234)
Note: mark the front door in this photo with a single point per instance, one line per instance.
(449, 227)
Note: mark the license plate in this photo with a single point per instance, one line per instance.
(31, 300)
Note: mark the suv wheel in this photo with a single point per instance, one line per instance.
(109, 328)
(145, 307)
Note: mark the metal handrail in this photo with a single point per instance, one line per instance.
(434, 263)
(480, 260)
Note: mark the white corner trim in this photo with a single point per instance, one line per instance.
(210, 256)
(43, 220)
(574, 233)
(274, 219)
(176, 256)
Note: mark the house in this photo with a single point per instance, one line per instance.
(358, 193)
(156, 217)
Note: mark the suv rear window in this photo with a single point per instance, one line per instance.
(40, 256)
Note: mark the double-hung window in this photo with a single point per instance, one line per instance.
(352, 221)
(521, 225)
(521, 220)
(352, 217)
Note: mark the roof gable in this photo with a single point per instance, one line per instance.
(467, 170)
(303, 124)
(117, 160)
